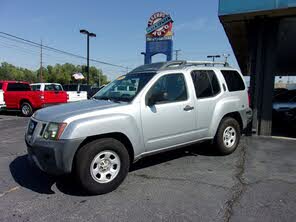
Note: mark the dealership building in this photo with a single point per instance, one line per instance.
(262, 34)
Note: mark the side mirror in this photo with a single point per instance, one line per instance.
(155, 98)
(151, 101)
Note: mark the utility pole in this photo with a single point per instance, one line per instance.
(40, 77)
(177, 53)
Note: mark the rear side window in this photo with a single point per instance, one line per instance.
(53, 87)
(70, 87)
(233, 80)
(35, 87)
(18, 87)
(84, 88)
(206, 83)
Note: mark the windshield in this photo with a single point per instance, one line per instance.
(124, 88)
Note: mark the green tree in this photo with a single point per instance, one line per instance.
(57, 73)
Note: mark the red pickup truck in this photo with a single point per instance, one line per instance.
(18, 95)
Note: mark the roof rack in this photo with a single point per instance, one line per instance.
(177, 64)
(183, 63)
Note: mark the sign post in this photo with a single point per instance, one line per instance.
(159, 36)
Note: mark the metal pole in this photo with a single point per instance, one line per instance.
(87, 66)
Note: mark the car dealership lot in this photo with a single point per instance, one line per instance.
(256, 183)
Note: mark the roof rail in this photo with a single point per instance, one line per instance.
(207, 63)
(177, 64)
(183, 63)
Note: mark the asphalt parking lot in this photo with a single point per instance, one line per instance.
(256, 183)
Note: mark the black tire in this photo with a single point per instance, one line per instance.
(85, 157)
(222, 148)
(26, 109)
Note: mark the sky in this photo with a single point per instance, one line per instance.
(119, 26)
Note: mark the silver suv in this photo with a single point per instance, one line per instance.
(152, 109)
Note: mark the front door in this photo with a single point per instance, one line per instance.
(168, 115)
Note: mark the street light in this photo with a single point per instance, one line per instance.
(144, 54)
(213, 57)
(89, 34)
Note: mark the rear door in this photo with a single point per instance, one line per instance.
(207, 94)
(53, 93)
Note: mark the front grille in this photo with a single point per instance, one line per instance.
(42, 129)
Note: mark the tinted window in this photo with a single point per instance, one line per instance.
(70, 87)
(18, 87)
(169, 88)
(84, 88)
(206, 83)
(53, 87)
(35, 87)
(0, 85)
(233, 80)
(287, 96)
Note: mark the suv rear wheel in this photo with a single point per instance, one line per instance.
(26, 109)
(228, 136)
(102, 165)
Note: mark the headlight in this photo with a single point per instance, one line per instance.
(54, 131)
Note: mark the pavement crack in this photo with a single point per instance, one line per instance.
(238, 188)
(9, 191)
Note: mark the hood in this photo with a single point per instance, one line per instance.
(59, 113)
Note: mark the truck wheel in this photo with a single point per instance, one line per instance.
(26, 109)
(102, 165)
(228, 136)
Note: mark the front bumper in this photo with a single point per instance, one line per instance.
(2, 107)
(53, 157)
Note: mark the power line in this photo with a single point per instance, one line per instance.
(58, 50)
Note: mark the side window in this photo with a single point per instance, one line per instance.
(18, 87)
(48, 88)
(233, 80)
(206, 83)
(12, 87)
(35, 87)
(169, 88)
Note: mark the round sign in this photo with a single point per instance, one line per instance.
(160, 24)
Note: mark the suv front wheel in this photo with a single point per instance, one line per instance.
(102, 165)
(228, 136)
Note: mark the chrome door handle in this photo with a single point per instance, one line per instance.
(188, 108)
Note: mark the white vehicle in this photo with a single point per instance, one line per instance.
(2, 103)
(46, 86)
(76, 92)
(152, 109)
